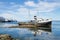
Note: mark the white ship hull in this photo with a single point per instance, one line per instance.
(43, 24)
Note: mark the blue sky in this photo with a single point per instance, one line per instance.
(25, 9)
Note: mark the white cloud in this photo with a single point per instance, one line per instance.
(26, 13)
(21, 12)
(42, 6)
(9, 16)
(30, 3)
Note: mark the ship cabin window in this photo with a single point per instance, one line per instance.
(42, 19)
(39, 20)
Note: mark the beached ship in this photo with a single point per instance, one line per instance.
(39, 22)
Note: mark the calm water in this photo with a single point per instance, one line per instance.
(8, 24)
(26, 34)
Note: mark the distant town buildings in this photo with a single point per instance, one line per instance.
(2, 19)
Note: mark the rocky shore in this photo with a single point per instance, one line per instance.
(6, 37)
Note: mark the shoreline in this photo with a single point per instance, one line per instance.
(7, 37)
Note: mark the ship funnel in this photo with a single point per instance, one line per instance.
(35, 17)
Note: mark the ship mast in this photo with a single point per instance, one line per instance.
(29, 14)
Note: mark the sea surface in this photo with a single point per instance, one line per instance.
(8, 24)
(28, 34)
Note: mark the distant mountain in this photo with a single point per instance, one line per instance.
(2, 19)
(11, 20)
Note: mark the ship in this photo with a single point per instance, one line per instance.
(37, 22)
(43, 22)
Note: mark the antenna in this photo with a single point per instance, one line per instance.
(29, 13)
